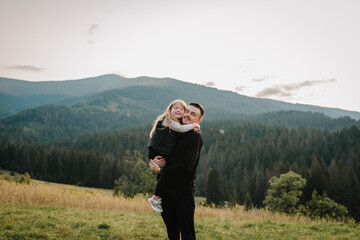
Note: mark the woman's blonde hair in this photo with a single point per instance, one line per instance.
(166, 116)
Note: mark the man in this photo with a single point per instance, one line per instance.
(179, 175)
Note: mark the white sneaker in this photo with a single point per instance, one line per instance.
(156, 205)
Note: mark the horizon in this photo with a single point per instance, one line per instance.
(50, 81)
(298, 52)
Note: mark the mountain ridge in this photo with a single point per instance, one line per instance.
(68, 92)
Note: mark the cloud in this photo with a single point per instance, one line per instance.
(287, 90)
(25, 68)
(259, 79)
(210, 84)
(239, 88)
(90, 32)
(273, 91)
(243, 70)
(92, 28)
(297, 86)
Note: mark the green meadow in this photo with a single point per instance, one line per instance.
(42, 210)
(34, 222)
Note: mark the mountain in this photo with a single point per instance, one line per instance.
(17, 95)
(111, 102)
(119, 94)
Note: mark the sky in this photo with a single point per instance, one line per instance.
(298, 51)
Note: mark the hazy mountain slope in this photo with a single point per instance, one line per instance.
(134, 107)
(74, 87)
(17, 95)
(231, 101)
(11, 104)
(102, 90)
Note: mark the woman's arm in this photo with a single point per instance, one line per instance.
(177, 127)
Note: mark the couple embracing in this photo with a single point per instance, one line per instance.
(174, 153)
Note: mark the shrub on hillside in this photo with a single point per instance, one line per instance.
(137, 179)
(26, 178)
(284, 192)
(12, 177)
(324, 207)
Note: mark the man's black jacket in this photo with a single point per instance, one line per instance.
(181, 165)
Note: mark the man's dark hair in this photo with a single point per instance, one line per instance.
(198, 105)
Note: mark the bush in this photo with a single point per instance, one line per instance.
(8, 178)
(26, 179)
(284, 192)
(324, 207)
(138, 178)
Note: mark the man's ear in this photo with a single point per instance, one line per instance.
(199, 121)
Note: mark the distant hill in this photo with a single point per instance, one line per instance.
(118, 94)
(17, 95)
(47, 123)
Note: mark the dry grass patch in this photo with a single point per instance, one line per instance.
(39, 193)
(55, 211)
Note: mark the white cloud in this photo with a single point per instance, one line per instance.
(288, 90)
(26, 68)
(210, 84)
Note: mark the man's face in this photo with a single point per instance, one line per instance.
(191, 115)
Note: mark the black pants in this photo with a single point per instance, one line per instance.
(178, 215)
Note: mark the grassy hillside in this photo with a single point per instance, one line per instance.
(51, 211)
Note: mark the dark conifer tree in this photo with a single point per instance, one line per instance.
(318, 176)
(352, 195)
(213, 187)
(244, 185)
(335, 188)
(233, 196)
(248, 202)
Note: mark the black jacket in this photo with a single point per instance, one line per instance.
(163, 139)
(180, 170)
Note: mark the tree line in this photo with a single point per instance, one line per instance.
(245, 156)
(47, 123)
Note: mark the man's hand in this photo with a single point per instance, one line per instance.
(154, 166)
(160, 161)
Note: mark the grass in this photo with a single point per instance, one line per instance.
(55, 211)
(61, 223)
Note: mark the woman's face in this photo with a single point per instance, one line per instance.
(177, 110)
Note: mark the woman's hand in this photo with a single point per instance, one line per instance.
(160, 161)
(154, 166)
(196, 127)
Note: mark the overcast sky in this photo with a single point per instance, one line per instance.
(299, 51)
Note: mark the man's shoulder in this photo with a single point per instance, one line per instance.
(191, 134)
(192, 137)
(197, 134)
